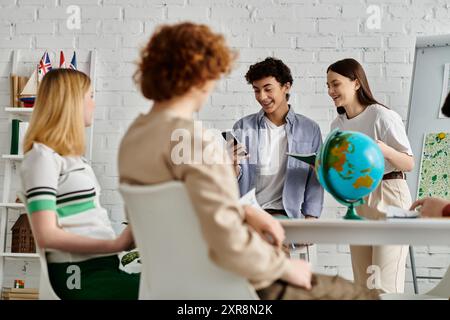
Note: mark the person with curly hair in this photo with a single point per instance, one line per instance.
(178, 70)
(284, 186)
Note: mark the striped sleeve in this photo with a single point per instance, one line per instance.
(39, 174)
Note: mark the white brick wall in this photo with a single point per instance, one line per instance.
(307, 34)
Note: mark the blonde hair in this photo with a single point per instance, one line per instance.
(58, 116)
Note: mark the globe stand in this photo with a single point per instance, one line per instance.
(351, 212)
(352, 215)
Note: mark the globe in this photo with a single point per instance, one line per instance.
(349, 165)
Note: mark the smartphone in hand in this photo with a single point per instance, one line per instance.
(228, 136)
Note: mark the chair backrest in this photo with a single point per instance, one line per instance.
(442, 289)
(173, 252)
(46, 291)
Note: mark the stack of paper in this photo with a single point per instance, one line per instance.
(396, 212)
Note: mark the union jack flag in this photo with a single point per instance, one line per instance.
(44, 65)
(73, 62)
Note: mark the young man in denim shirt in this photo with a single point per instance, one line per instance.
(284, 186)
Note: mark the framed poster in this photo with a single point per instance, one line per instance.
(445, 88)
(434, 176)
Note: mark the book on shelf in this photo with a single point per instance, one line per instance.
(21, 298)
(23, 127)
(20, 294)
(18, 131)
(14, 136)
(20, 290)
(18, 84)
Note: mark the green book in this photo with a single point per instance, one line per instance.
(15, 136)
(309, 158)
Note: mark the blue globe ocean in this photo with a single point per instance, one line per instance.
(350, 165)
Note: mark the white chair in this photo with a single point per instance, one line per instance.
(46, 291)
(440, 292)
(173, 252)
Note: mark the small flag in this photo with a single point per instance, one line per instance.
(44, 66)
(73, 63)
(62, 60)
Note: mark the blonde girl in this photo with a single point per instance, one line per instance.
(62, 194)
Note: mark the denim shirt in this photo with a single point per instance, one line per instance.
(302, 192)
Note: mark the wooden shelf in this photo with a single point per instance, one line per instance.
(12, 205)
(19, 111)
(14, 157)
(18, 255)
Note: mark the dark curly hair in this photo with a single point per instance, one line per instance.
(179, 57)
(270, 67)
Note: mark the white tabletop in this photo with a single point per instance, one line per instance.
(417, 231)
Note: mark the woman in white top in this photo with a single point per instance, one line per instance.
(375, 266)
(62, 195)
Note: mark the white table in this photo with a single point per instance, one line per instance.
(418, 231)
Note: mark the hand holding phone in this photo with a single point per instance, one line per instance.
(238, 148)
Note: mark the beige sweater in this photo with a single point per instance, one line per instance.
(145, 157)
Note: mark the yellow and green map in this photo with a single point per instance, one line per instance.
(434, 179)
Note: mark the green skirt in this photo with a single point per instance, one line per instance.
(93, 279)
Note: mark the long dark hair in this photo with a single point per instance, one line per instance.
(352, 69)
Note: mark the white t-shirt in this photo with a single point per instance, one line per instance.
(379, 123)
(271, 168)
(67, 186)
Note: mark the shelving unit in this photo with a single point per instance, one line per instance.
(12, 157)
(12, 164)
(19, 111)
(12, 205)
(19, 255)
